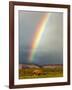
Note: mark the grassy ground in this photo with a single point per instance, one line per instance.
(49, 72)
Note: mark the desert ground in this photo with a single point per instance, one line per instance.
(46, 71)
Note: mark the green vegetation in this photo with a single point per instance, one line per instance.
(29, 73)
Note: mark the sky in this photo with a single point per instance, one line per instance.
(50, 47)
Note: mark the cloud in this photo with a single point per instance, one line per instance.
(50, 49)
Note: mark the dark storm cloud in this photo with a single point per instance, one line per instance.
(50, 50)
(27, 26)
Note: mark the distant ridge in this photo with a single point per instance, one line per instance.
(28, 66)
(22, 66)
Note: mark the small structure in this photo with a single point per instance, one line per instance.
(37, 72)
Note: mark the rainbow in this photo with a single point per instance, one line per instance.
(37, 36)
